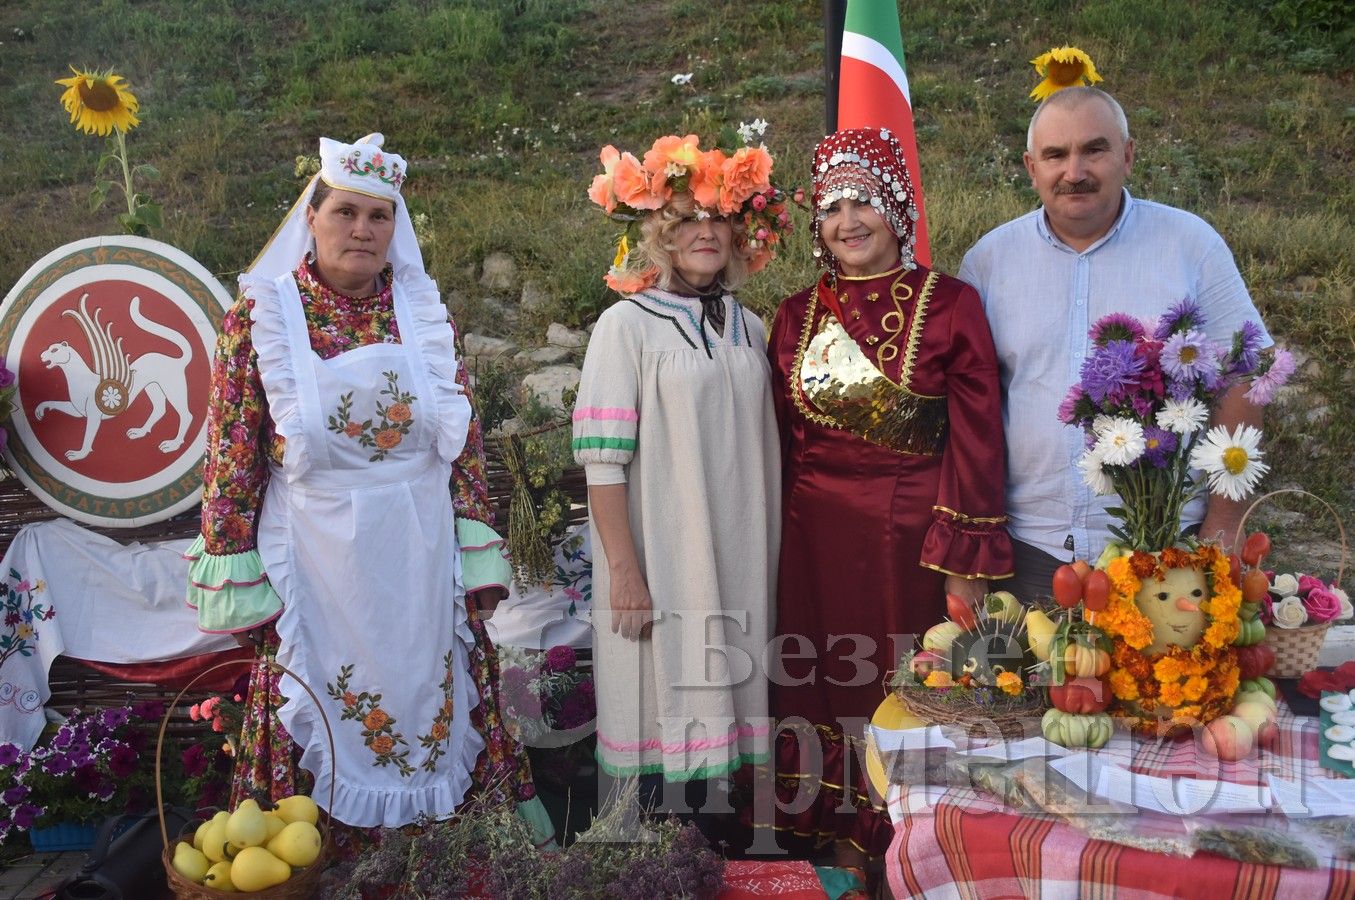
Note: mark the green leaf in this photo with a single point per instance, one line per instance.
(146, 170)
(148, 213)
(98, 194)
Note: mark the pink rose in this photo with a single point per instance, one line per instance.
(1268, 608)
(1322, 605)
(1308, 583)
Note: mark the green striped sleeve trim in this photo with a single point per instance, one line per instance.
(604, 443)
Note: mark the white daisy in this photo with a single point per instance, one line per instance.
(1094, 474)
(1184, 417)
(1232, 461)
(1121, 442)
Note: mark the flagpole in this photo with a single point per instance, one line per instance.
(834, 16)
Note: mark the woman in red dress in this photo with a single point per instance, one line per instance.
(887, 399)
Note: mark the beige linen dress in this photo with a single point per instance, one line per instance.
(683, 416)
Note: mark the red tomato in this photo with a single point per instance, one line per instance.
(1255, 548)
(960, 612)
(1255, 585)
(1096, 590)
(1067, 587)
(1254, 661)
(1081, 695)
(1235, 569)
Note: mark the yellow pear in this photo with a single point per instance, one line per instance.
(298, 844)
(246, 826)
(299, 808)
(214, 840)
(274, 822)
(255, 869)
(200, 834)
(219, 878)
(189, 861)
(1040, 633)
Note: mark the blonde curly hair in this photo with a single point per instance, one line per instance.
(656, 243)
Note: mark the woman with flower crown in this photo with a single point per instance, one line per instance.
(330, 538)
(887, 399)
(674, 427)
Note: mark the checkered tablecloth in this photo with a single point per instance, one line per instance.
(958, 842)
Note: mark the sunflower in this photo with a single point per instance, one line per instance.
(1060, 68)
(99, 102)
(1232, 460)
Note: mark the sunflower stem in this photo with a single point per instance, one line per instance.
(121, 155)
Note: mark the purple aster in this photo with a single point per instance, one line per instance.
(1180, 391)
(1183, 315)
(9, 754)
(26, 815)
(1159, 444)
(1264, 386)
(1111, 371)
(1246, 349)
(1115, 327)
(1186, 355)
(1068, 407)
(1142, 405)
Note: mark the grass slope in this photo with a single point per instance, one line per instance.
(1243, 113)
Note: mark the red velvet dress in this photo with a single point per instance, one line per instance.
(889, 408)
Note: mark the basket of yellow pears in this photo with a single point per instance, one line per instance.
(271, 850)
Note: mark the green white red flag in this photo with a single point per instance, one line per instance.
(873, 89)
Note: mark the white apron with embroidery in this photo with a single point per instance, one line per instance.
(357, 537)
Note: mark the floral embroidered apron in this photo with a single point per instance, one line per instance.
(357, 537)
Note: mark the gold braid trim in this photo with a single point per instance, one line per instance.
(793, 376)
(914, 327)
(961, 517)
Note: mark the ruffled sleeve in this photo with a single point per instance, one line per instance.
(968, 534)
(231, 592)
(484, 556)
(438, 345)
(606, 413)
(273, 337)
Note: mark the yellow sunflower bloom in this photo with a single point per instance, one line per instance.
(99, 102)
(1060, 68)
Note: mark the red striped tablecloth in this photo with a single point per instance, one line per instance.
(958, 842)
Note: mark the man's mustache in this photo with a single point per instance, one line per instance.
(1085, 186)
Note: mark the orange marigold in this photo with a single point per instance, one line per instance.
(1123, 684)
(1142, 564)
(1195, 687)
(1010, 682)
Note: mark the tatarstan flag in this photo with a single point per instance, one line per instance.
(873, 89)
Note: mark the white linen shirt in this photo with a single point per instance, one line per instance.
(1041, 298)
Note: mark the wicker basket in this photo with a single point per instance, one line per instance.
(1296, 649)
(301, 885)
(1011, 720)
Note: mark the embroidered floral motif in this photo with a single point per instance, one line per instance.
(396, 419)
(435, 740)
(378, 731)
(375, 167)
(378, 726)
(21, 615)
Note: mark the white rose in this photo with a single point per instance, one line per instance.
(1289, 613)
(1285, 585)
(1346, 609)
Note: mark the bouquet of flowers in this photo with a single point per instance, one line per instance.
(224, 716)
(1144, 397)
(544, 692)
(1295, 600)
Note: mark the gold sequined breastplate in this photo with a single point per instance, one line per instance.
(835, 384)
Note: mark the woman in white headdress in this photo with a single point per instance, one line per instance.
(330, 536)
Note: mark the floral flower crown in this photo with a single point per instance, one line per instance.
(725, 182)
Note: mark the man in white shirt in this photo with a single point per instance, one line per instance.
(1046, 277)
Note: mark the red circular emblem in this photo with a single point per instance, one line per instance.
(111, 341)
